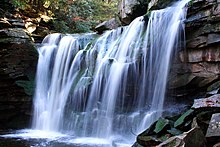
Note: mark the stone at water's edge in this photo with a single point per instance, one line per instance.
(198, 126)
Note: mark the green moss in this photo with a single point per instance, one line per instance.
(183, 117)
(161, 124)
(214, 86)
(27, 85)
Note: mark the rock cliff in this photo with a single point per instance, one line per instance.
(197, 72)
(18, 59)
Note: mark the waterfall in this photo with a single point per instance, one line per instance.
(109, 85)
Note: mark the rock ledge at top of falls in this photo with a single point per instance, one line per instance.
(128, 10)
(108, 25)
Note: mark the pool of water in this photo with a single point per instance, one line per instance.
(37, 138)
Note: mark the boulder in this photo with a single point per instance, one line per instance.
(193, 137)
(128, 10)
(159, 4)
(108, 25)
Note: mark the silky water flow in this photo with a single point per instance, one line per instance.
(109, 87)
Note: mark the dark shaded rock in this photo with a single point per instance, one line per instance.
(200, 16)
(214, 88)
(13, 32)
(42, 31)
(217, 145)
(181, 80)
(159, 4)
(128, 10)
(4, 24)
(213, 38)
(108, 25)
(148, 140)
(197, 42)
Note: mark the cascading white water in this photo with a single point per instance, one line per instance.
(109, 86)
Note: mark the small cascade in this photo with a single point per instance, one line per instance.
(110, 86)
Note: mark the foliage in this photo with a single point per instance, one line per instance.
(71, 16)
(20, 4)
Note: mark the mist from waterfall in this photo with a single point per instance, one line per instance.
(109, 86)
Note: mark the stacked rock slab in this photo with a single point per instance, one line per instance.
(198, 65)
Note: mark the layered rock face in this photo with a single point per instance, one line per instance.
(18, 59)
(199, 67)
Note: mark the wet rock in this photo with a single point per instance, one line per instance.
(107, 25)
(213, 131)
